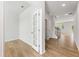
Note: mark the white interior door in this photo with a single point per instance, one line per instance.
(36, 29)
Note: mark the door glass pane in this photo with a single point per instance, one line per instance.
(35, 30)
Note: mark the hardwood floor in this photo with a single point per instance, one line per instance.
(18, 48)
(67, 42)
(55, 49)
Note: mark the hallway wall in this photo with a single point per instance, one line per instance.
(50, 26)
(1, 28)
(11, 21)
(76, 24)
(66, 27)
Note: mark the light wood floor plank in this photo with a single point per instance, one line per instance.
(18, 48)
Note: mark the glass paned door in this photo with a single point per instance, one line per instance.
(36, 29)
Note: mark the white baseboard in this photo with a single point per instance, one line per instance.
(26, 42)
(19, 39)
(10, 40)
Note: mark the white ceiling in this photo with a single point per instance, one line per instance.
(15, 6)
(56, 8)
(53, 7)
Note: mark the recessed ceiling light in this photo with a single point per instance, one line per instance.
(22, 6)
(68, 13)
(63, 4)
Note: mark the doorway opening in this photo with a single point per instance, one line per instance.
(59, 28)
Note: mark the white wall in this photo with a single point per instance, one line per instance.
(67, 27)
(25, 28)
(48, 18)
(76, 23)
(50, 26)
(26, 24)
(11, 22)
(1, 28)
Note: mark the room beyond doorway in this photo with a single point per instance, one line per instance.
(60, 25)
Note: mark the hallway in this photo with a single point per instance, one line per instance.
(28, 25)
